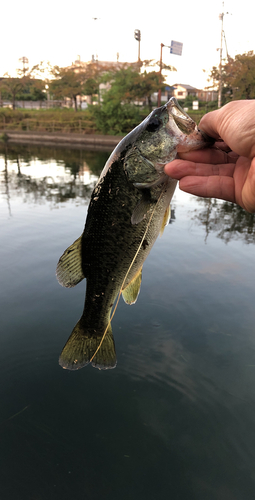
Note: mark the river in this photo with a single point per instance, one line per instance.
(176, 417)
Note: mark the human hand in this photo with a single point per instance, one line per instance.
(226, 171)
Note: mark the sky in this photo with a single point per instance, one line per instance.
(58, 32)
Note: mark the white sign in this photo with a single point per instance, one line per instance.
(176, 48)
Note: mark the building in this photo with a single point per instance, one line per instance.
(181, 91)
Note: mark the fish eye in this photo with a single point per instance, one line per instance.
(153, 124)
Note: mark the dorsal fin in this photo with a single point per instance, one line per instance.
(131, 292)
(69, 269)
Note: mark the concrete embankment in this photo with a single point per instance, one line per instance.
(80, 141)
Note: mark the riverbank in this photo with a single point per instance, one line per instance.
(72, 140)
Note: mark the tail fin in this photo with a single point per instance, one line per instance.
(82, 345)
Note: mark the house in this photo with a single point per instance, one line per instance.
(181, 91)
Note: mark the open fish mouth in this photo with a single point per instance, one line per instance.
(185, 124)
(182, 120)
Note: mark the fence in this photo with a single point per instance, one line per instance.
(47, 104)
(30, 124)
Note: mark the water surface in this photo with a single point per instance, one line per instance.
(175, 418)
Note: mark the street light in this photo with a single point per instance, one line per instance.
(137, 35)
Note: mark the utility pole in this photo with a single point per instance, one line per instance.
(222, 34)
(175, 48)
(221, 16)
(24, 60)
(160, 73)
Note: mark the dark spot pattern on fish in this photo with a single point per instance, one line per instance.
(145, 244)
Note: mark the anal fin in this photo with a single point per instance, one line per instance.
(69, 269)
(131, 292)
(166, 219)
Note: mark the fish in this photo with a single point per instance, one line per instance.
(128, 209)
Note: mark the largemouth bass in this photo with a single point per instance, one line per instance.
(129, 207)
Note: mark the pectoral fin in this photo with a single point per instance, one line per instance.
(140, 211)
(69, 269)
(166, 219)
(131, 292)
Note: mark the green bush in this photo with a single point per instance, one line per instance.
(115, 118)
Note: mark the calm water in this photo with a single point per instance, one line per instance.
(176, 418)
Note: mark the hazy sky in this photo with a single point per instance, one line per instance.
(59, 31)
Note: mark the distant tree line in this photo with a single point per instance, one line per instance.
(238, 77)
(129, 83)
(28, 85)
(118, 89)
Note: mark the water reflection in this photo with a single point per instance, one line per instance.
(40, 174)
(36, 173)
(228, 220)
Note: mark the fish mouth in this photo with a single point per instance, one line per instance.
(184, 123)
(182, 120)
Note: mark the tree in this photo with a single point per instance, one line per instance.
(11, 86)
(67, 83)
(27, 85)
(32, 90)
(76, 80)
(35, 81)
(121, 83)
(129, 86)
(147, 84)
(118, 112)
(238, 77)
(91, 87)
(243, 76)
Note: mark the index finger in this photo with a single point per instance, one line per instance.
(178, 169)
(210, 155)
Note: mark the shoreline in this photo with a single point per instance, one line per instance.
(81, 141)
